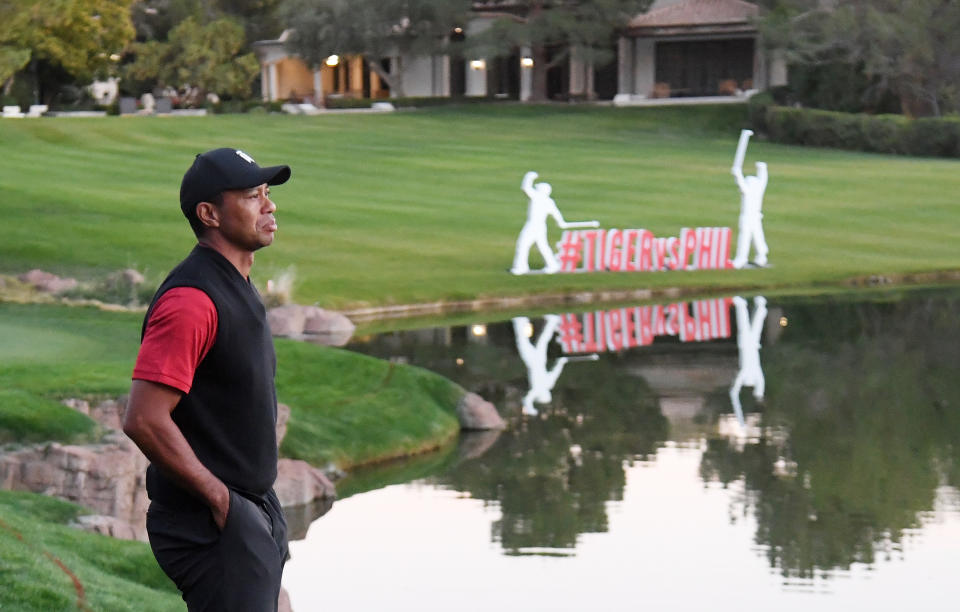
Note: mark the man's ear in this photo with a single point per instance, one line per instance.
(208, 214)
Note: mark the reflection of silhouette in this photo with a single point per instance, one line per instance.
(534, 231)
(752, 189)
(748, 345)
(534, 357)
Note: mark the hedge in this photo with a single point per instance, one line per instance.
(935, 137)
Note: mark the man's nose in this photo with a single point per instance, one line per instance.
(268, 205)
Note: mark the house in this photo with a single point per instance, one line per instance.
(678, 48)
(683, 48)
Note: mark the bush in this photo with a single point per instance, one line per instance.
(938, 137)
(410, 101)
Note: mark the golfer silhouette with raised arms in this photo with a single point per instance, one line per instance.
(752, 189)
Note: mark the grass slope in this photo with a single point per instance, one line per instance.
(426, 205)
(46, 565)
(345, 408)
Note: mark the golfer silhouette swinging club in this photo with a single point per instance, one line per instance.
(748, 347)
(751, 201)
(534, 231)
(542, 380)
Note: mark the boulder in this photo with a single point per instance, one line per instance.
(107, 478)
(474, 412)
(131, 276)
(47, 282)
(300, 483)
(311, 323)
(283, 415)
(286, 320)
(283, 603)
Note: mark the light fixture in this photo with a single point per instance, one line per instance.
(783, 321)
(458, 30)
(478, 64)
(478, 330)
(459, 361)
(332, 60)
(526, 62)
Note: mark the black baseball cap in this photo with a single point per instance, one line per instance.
(223, 169)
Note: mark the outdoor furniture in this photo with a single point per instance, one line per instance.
(12, 112)
(128, 106)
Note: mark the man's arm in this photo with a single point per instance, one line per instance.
(149, 424)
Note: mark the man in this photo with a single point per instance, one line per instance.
(203, 404)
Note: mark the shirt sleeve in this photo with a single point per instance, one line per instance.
(181, 329)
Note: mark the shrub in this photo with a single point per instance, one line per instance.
(938, 137)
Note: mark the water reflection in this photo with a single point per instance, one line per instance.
(854, 444)
(534, 357)
(748, 348)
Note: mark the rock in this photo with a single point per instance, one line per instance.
(318, 325)
(107, 478)
(286, 320)
(475, 412)
(132, 277)
(473, 444)
(108, 413)
(300, 483)
(283, 603)
(47, 282)
(110, 526)
(283, 415)
(320, 321)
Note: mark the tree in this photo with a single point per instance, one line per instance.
(909, 48)
(198, 58)
(373, 29)
(154, 19)
(82, 37)
(583, 27)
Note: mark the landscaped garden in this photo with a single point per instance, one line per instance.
(388, 209)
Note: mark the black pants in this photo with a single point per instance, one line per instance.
(237, 569)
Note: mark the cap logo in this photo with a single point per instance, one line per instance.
(245, 156)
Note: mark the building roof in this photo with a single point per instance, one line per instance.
(692, 16)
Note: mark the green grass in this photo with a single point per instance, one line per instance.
(345, 408)
(114, 574)
(426, 205)
(352, 409)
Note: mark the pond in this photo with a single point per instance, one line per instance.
(735, 453)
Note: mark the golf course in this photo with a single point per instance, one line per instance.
(387, 210)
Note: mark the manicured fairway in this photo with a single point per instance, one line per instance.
(425, 205)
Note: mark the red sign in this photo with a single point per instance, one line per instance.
(622, 328)
(637, 250)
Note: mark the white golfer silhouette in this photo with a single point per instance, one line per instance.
(748, 347)
(534, 231)
(752, 189)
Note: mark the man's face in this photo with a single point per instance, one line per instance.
(247, 217)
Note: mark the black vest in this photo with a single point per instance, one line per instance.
(229, 416)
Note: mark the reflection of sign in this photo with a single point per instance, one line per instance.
(622, 328)
(637, 250)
